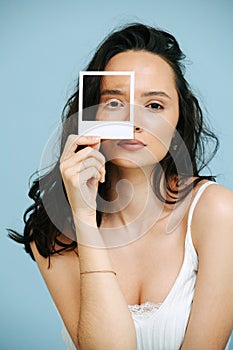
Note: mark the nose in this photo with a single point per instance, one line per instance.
(137, 129)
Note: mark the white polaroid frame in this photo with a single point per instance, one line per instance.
(104, 129)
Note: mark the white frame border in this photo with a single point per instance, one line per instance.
(125, 128)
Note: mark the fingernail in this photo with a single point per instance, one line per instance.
(96, 138)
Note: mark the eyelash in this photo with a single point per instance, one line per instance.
(158, 106)
(119, 104)
(153, 105)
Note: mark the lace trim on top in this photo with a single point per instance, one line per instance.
(144, 310)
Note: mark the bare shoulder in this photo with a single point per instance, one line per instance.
(217, 197)
(213, 215)
(59, 267)
(66, 255)
(212, 234)
(61, 275)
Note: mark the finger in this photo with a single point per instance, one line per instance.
(84, 178)
(73, 141)
(92, 162)
(91, 170)
(89, 152)
(83, 155)
(103, 172)
(90, 173)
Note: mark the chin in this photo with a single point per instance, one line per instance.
(129, 164)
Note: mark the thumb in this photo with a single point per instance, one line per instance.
(95, 145)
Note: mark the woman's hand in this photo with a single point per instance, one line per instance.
(81, 171)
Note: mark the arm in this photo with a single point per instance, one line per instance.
(92, 305)
(211, 318)
(105, 322)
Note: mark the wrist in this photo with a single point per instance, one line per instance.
(87, 232)
(84, 217)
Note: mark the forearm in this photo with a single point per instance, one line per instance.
(104, 320)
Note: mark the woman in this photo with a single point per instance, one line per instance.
(152, 270)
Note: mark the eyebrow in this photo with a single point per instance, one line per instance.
(111, 92)
(145, 94)
(156, 93)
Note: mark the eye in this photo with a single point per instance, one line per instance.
(154, 106)
(114, 104)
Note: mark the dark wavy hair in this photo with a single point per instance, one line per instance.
(196, 136)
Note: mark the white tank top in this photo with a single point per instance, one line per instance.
(162, 326)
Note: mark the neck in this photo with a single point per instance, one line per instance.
(131, 193)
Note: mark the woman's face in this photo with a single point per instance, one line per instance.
(156, 108)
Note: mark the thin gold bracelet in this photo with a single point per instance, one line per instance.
(98, 271)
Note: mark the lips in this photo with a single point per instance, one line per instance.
(131, 142)
(131, 145)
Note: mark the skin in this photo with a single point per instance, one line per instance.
(164, 103)
(81, 296)
(156, 99)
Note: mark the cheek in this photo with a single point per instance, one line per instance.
(107, 148)
(113, 154)
(158, 150)
(159, 138)
(160, 133)
(161, 126)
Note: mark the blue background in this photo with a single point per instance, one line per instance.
(44, 45)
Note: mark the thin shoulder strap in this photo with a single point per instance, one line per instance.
(188, 240)
(195, 200)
